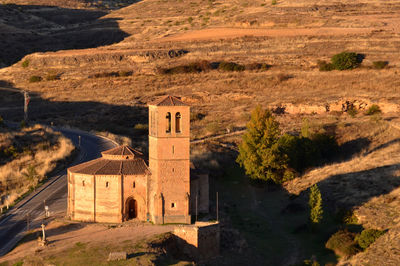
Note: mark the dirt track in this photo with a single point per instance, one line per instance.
(224, 33)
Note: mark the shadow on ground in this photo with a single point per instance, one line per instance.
(26, 29)
(87, 115)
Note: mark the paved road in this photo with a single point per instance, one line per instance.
(54, 193)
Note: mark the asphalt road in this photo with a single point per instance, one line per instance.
(53, 193)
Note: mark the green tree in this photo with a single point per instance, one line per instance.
(315, 203)
(259, 152)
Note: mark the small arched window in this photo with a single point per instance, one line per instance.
(83, 183)
(133, 185)
(178, 122)
(168, 123)
(107, 184)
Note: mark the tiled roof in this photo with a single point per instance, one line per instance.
(127, 162)
(168, 101)
(121, 152)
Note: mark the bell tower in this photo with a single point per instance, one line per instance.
(169, 161)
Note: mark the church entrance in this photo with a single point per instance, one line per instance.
(131, 208)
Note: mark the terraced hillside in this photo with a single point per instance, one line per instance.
(155, 47)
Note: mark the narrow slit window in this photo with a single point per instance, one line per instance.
(83, 183)
(107, 184)
(173, 149)
(173, 205)
(168, 123)
(133, 185)
(178, 122)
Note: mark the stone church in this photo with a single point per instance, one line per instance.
(123, 185)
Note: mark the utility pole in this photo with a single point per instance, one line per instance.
(196, 207)
(27, 221)
(217, 207)
(26, 103)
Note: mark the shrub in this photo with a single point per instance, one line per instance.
(373, 109)
(380, 64)
(105, 75)
(125, 73)
(349, 218)
(23, 124)
(52, 77)
(303, 152)
(367, 237)
(352, 111)
(324, 66)
(196, 116)
(346, 60)
(35, 79)
(10, 152)
(257, 66)
(283, 77)
(25, 63)
(342, 243)
(315, 204)
(274, 2)
(194, 67)
(230, 66)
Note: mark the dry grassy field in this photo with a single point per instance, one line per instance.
(26, 157)
(106, 86)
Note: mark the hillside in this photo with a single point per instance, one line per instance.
(96, 67)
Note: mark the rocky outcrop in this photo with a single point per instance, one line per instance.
(343, 105)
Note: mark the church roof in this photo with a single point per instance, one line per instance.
(168, 101)
(122, 160)
(121, 152)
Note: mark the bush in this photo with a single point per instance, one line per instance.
(315, 204)
(373, 109)
(346, 60)
(125, 73)
(52, 77)
(367, 237)
(324, 66)
(352, 111)
(380, 64)
(230, 66)
(194, 67)
(25, 64)
(258, 66)
(35, 79)
(196, 116)
(304, 152)
(10, 152)
(342, 243)
(23, 124)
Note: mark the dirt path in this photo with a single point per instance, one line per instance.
(64, 235)
(225, 33)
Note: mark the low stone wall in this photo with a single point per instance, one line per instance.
(200, 241)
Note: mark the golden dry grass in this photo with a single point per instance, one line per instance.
(41, 148)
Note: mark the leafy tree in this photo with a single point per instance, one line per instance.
(315, 203)
(259, 152)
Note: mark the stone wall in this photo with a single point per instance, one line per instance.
(200, 241)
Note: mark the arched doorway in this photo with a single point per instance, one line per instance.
(131, 208)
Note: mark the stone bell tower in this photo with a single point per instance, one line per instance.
(169, 161)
